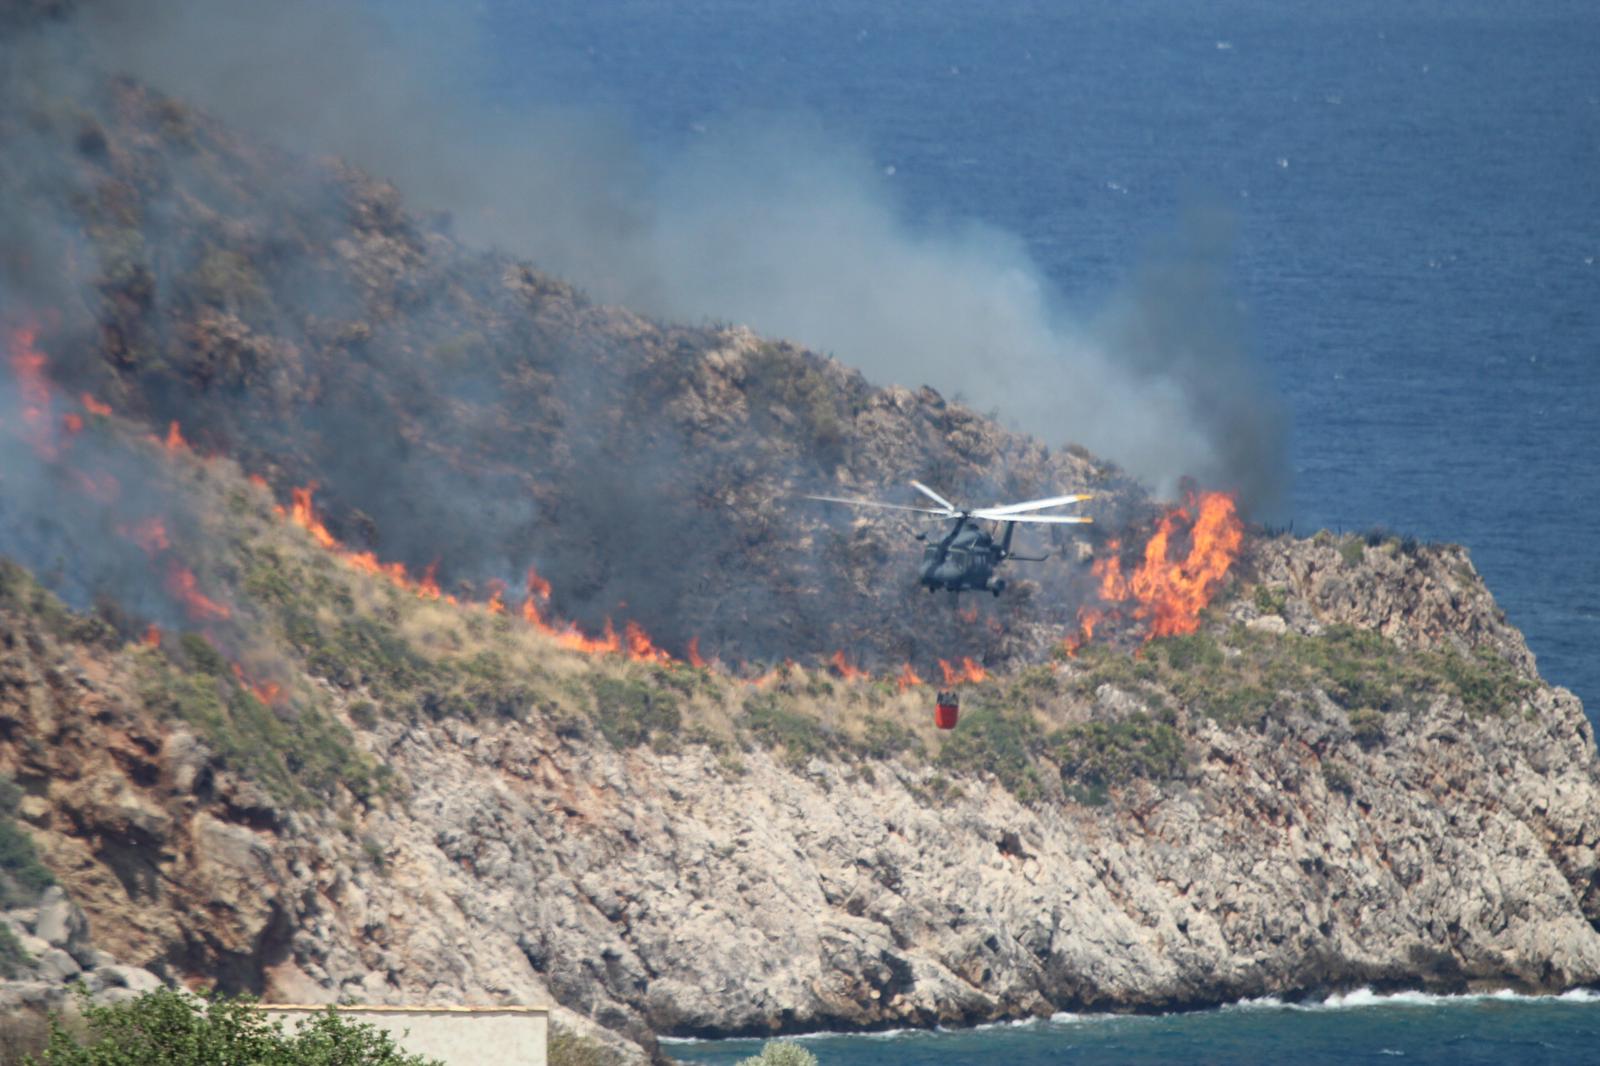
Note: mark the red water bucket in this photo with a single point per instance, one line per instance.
(946, 710)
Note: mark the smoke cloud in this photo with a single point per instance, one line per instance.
(772, 222)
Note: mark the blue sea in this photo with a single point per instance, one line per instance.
(1413, 196)
(1397, 1030)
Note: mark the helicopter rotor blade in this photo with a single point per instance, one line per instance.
(878, 503)
(1035, 505)
(935, 497)
(1047, 519)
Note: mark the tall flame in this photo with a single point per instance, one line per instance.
(1167, 592)
(33, 388)
(907, 678)
(184, 588)
(845, 670)
(969, 670)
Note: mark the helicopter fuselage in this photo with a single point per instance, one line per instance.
(965, 559)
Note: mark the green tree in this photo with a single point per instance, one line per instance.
(171, 1028)
(781, 1053)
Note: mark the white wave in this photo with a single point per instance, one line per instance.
(1353, 1000)
(1366, 997)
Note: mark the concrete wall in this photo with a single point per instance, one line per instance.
(456, 1036)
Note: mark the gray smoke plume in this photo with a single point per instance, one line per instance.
(770, 222)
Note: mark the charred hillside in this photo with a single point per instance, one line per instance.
(470, 418)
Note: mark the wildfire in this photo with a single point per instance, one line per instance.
(1088, 619)
(694, 654)
(183, 587)
(1165, 593)
(174, 441)
(428, 587)
(303, 515)
(907, 678)
(640, 648)
(567, 634)
(152, 636)
(968, 671)
(27, 364)
(150, 535)
(94, 406)
(845, 670)
(267, 692)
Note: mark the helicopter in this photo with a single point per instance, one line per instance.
(966, 557)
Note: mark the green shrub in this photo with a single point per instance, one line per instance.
(1486, 683)
(1368, 727)
(13, 958)
(776, 726)
(1271, 600)
(22, 875)
(780, 1053)
(885, 739)
(1189, 652)
(1109, 753)
(295, 759)
(631, 712)
(1337, 777)
(171, 1028)
(567, 1048)
(993, 741)
(1352, 551)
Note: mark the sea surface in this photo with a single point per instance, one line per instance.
(1414, 191)
(1360, 1027)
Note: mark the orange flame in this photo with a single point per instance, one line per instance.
(640, 647)
(907, 678)
(174, 441)
(303, 515)
(150, 535)
(845, 670)
(497, 593)
(94, 406)
(27, 364)
(1088, 618)
(102, 487)
(183, 587)
(1169, 594)
(152, 636)
(694, 654)
(267, 692)
(567, 635)
(772, 675)
(73, 424)
(428, 587)
(969, 670)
